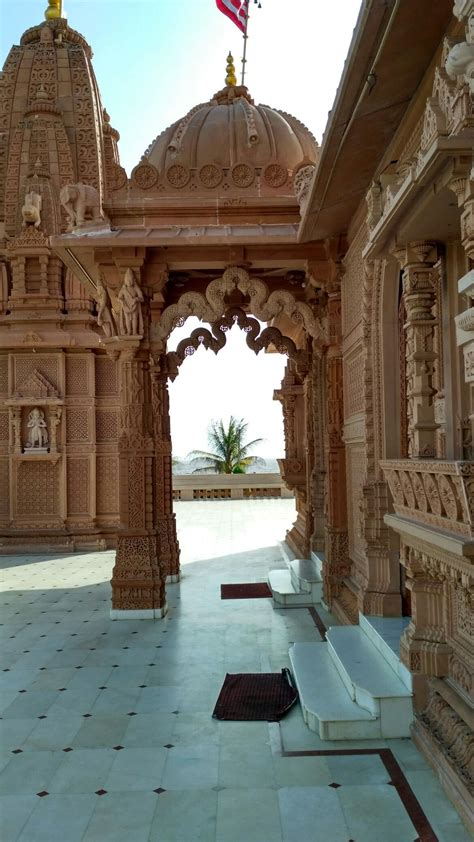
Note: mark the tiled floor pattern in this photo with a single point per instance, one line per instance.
(106, 732)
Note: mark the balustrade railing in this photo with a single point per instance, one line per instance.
(439, 494)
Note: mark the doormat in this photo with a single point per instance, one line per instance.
(246, 590)
(255, 696)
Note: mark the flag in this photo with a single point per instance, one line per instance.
(236, 10)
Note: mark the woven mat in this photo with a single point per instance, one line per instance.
(255, 696)
(246, 590)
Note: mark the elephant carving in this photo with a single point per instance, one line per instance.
(81, 202)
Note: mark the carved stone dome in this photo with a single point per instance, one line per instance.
(229, 143)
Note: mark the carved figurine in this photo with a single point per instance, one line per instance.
(31, 210)
(80, 201)
(105, 320)
(131, 316)
(38, 434)
(302, 184)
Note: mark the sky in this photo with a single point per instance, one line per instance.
(156, 59)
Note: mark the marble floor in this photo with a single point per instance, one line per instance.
(106, 730)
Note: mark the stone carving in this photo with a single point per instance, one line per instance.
(460, 62)
(105, 319)
(145, 176)
(302, 183)
(210, 175)
(263, 304)
(81, 202)
(275, 175)
(31, 210)
(178, 175)
(243, 175)
(37, 430)
(438, 494)
(131, 297)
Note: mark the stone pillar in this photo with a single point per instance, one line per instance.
(137, 580)
(318, 474)
(419, 291)
(163, 517)
(462, 185)
(337, 563)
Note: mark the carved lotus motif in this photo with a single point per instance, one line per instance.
(275, 175)
(210, 175)
(178, 176)
(145, 176)
(243, 175)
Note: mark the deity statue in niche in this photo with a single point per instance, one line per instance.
(131, 296)
(37, 430)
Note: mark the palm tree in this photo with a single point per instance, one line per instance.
(230, 453)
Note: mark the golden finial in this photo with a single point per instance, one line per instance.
(54, 10)
(231, 78)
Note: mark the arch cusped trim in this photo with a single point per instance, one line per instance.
(262, 304)
(216, 340)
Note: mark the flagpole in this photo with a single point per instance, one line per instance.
(244, 58)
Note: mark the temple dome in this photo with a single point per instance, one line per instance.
(231, 141)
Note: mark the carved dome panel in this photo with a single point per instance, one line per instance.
(230, 143)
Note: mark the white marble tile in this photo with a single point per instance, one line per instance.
(14, 813)
(248, 814)
(56, 811)
(243, 766)
(185, 816)
(82, 771)
(312, 814)
(136, 770)
(122, 817)
(191, 767)
(375, 813)
(29, 773)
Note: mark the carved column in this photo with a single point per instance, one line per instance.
(462, 185)
(337, 562)
(137, 579)
(419, 291)
(163, 517)
(293, 466)
(318, 474)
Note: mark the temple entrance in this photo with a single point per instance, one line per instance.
(244, 505)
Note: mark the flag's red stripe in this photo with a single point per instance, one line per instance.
(239, 16)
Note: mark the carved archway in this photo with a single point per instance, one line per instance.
(259, 301)
(216, 338)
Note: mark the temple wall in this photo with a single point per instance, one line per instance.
(67, 496)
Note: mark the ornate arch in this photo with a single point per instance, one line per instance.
(263, 304)
(216, 340)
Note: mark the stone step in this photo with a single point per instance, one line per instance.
(287, 553)
(370, 681)
(284, 593)
(385, 634)
(327, 707)
(318, 559)
(305, 578)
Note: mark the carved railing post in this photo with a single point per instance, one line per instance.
(337, 562)
(423, 647)
(419, 291)
(163, 517)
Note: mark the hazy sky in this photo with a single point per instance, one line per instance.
(156, 59)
